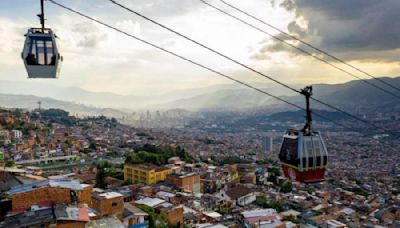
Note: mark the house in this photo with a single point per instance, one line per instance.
(71, 216)
(333, 224)
(135, 217)
(240, 195)
(258, 216)
(188, 182)
(108, 203)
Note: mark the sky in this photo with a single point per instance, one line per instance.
(363, 32)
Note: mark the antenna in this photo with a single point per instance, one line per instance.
(307, 92)
(40, 105)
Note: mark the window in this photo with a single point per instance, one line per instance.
(40, 51)
(288, 153)
(114, 204)
(318, 161)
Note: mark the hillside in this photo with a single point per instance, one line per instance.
(30, 102)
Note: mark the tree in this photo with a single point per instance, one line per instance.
(310, 189)
(155, 220)
(263, 202)
(100, 178)
(291, 218)
(275, 171)
(102, 173)
(92, 146)
(9, 163)
(287, 187)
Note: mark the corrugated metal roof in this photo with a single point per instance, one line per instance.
(151, 202)
(27, 187)
(66, 183)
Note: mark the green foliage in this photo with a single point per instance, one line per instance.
(104, 169)
(310, 189)
(263, 202)
(274, 174)
(58, 116)
(273, 179)
(275, 171)
(85, 150)
(287, 187)
(92, 146)
(291, 218)
(112, 154)
(100, 178)
(359, 191)
(229, 160)
(155, 220)
(9, 163)
(156, 155)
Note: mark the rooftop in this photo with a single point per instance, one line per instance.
(29, 219)
(106, 195)
(110, 222)
(151, 202)
(71, 213)
(134, 210)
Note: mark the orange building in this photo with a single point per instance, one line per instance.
(48, 193)
(108, 203)
(173, 215)
(187, 182)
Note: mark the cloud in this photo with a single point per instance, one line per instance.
(90, 36)
(163, 8)
(359, 27)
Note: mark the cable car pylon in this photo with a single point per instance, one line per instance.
(303, 154)
(40, 53)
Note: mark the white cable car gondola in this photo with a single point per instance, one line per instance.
(40, 54)
(303, 153)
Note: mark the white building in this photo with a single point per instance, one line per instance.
(267, 144)
(333, 224)
(241, 196)
(17, 134)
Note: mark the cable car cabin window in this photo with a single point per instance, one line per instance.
(317, 147)
(309, 148)
(318, 161)
(304, 162)
(288, 153)
(310, 162)
(325, 160)
(41, 51)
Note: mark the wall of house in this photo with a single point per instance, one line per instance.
(109, 206)
(43, 195)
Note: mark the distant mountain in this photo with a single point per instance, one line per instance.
(31, 102)
(353, 95)
(358, 94)
(229, 97)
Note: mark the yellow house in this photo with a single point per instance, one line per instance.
(145, 174)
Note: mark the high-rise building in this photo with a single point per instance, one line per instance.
(267, 144)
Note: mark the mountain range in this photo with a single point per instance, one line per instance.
(230, 97)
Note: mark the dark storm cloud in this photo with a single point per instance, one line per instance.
(360, 26)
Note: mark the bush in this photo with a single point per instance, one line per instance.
(263, 202)
(287, 187)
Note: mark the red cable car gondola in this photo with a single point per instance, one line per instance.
(303, 153)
